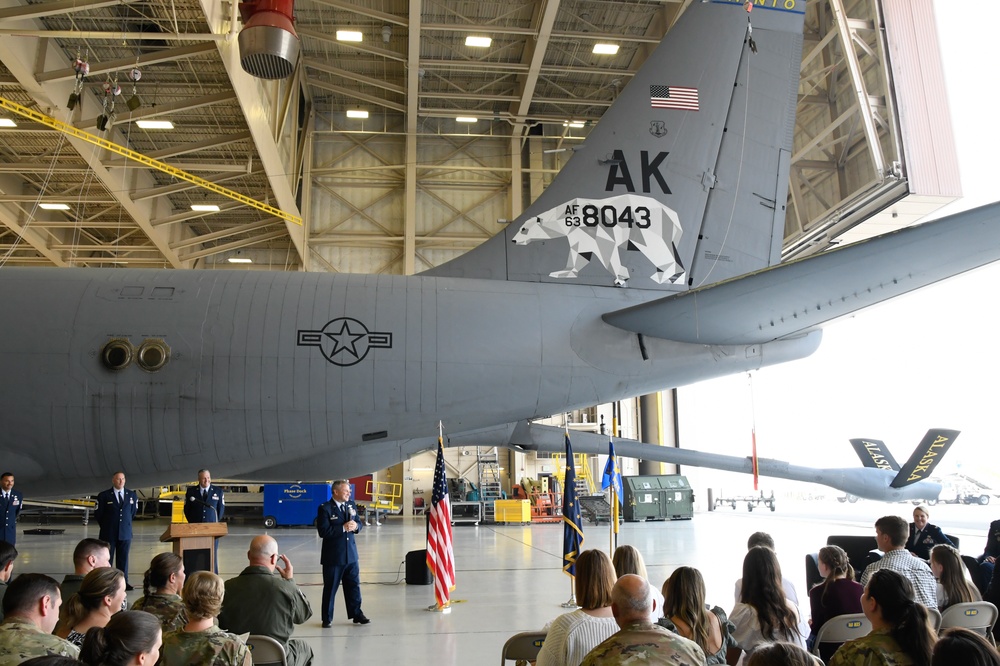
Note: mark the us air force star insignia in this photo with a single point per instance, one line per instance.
(345, 341)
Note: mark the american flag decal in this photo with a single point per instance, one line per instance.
(673, 97)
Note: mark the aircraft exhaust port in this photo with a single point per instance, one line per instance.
(117, 354)
(153, 354)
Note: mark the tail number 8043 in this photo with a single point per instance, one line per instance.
(590, 215)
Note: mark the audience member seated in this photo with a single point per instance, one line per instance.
(763, 614)
(628, 560)
(923, 535)
(685, 613)
(31, 610)
(781, 654)
(88, 555)
(200, 641)
(265, 600)
(100, 597)
(960, 646)
(572, 635)
(7, 556)
(838, 594)
(638, 640)
(764, 539)
(131, 638)
(51, 660)
(954, 585)
(890, 535)
(989, 557)
(901, 629)
(161, 587)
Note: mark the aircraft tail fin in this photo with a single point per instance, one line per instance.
(684, 179)
(874, 453)
(925, 457)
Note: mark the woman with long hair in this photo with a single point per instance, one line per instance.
(964, 646)
(572, 635)
(628, 560)
(781, 654)
(685, 613)
(954, 584)
(838, 594)
(101, 595)
(901, 629)
(763, 614)
(161, 587)
(130, 638)
(200, 641)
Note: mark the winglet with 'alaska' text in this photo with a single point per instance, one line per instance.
(925, 457)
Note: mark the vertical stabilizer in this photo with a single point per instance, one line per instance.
(925, 457)
(874, 453)
(683, 181)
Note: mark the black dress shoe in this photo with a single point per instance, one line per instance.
(361, 619)
(128, 588)
(326, 625)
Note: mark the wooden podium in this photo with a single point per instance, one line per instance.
(195, 543)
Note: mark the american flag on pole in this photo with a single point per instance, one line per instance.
(440, 553)
(572, 524)
(673, 97)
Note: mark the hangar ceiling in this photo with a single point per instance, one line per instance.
(408, 187)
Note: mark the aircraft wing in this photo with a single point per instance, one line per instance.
(925, 457)
(789, 299)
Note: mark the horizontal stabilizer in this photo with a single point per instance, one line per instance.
(925, 457)
(874, 453)
(789, 299)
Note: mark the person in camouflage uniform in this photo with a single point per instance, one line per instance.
(31, 610)
(7, 556)
(200, 641)
(161, 588)
(638, 639)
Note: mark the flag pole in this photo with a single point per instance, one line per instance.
(440, 550)
(572, 524)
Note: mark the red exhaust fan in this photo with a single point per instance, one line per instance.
(269, 47)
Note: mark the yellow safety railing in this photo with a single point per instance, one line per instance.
(385, 495)
(65, 128)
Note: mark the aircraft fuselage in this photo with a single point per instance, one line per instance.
(266, 368)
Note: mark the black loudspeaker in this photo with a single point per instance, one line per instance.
(417, 571)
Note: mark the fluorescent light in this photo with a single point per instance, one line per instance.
(483, 42)
(53, 206)
(348, 35)
(205, 208)
(154, 124)
(574, 123)
(240, 260)
(605, 49)
(465, 119)
(7, 122)
(357, 113)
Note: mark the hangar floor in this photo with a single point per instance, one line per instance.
(509, 577)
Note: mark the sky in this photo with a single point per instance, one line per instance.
(924, 360)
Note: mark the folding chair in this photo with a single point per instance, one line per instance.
(935, 618)
(979, 616)
(838, 630)
(266, 650)
(524, 645)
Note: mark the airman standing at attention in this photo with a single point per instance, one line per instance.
(10, 507)
(115, 510)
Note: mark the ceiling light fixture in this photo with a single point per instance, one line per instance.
(53, 206)
(357, 113)
(348, 35)
(7, 122)
(605, 49)
(574, 123)
(465, 119)
(482, 42)
(240, 260)
(205, 208)
(154, 124)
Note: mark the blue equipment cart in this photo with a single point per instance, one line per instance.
(293, 503)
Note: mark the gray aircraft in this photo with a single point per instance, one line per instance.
(650, 262)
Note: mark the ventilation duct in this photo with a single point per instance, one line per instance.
(269, 47)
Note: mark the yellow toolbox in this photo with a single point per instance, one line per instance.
(512, 511)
